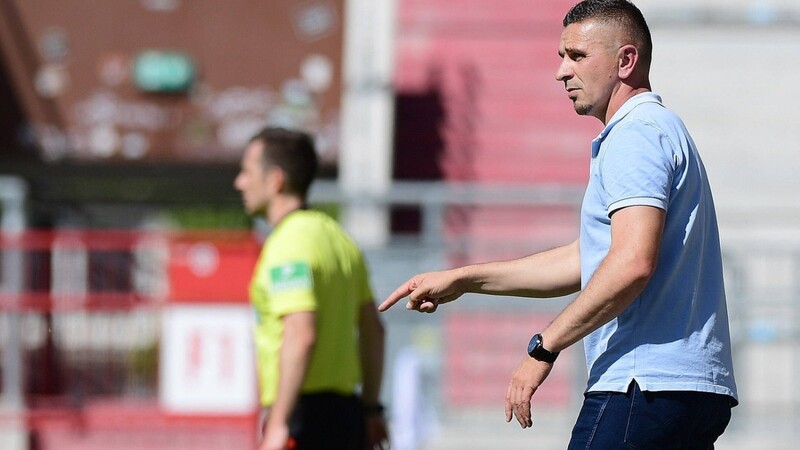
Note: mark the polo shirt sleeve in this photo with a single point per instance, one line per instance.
(638, 167)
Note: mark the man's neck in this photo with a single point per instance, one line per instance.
(622, 95)
(280, 207)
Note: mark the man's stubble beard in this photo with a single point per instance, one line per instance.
(583, 109)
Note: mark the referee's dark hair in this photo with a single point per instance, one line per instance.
(293, 152)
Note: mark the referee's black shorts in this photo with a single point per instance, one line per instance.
(328, 421)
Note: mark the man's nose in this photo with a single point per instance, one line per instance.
(563, 72)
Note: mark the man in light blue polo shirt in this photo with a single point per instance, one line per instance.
(647, 265)
(674, 335)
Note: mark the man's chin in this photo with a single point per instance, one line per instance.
(582, 109)
(255, 212)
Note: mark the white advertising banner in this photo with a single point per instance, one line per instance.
(207, 360)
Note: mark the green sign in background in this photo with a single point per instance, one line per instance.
(161, 71)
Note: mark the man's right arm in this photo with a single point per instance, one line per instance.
(552, 273)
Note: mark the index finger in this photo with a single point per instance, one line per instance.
(509, 408)
(403, 291)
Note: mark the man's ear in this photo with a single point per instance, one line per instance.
(276, 178)
(628, 60)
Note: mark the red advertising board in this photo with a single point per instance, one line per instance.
(207, 271)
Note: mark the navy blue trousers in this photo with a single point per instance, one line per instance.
(650, 420)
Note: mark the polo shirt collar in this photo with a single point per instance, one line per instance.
(633, 102)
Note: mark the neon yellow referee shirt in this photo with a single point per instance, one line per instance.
(310, 264)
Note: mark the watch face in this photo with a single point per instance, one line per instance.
(537, 351)
(536, 341)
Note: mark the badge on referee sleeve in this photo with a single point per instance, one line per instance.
(290, 276)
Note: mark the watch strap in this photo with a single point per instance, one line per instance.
(537, 351)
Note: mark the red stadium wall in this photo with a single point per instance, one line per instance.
(477, 98)
(477, 101)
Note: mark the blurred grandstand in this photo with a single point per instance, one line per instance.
(121, 323)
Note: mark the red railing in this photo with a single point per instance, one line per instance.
(83, 309)
(118, 270)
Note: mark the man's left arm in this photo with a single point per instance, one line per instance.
(371, 345)
(636, 233)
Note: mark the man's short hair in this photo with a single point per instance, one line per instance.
(293, 152)
(621, 13)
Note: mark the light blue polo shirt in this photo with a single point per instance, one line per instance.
(674, 336)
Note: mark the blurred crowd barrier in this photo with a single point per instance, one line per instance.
(126, 340)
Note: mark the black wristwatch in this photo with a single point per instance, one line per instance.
(373, 409)
(538, 352)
